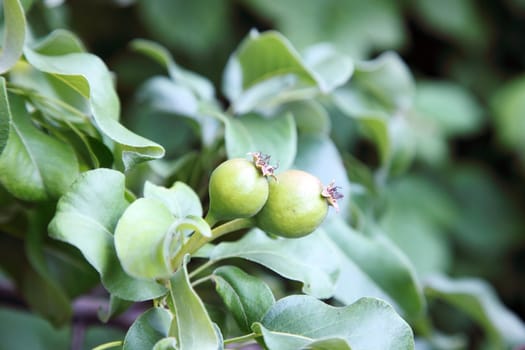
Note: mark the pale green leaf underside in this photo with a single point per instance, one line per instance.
(87, 74)
(194, 326)
(86, 217)
(310, 259)
(367, 324)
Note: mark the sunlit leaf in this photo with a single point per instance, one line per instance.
(88, 75)
(86, 218)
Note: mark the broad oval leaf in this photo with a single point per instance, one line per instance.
(14, 34)
(46, 165)
(382, 262)
(180, 199)
(247, 297)
(86, 217)
(262, 58)
(195, 329)
(367, 324)
(142, 239)
(276, 136)
(478, 300)
(310, 260)
(87, 74)
(148, 329)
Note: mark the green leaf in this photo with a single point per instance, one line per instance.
(310, 260)
(388, 80)
(264, 55)
(382, 262)
(449, 106)
(508, 106)
(201, 87)
(87, 74)
(86, 217)
(180, 199)
(22, 330)
(47, 165)
(247, 297)
(150, 327)
(143, 239)
(310, 117)
(194, 326)
(276, 136)
(460, 21)
(287, 341)
(166, 344)
(478, 300)
(5, 115)
(367, 324)
(346, 24)
(51, 300)
(14, 34)
(331, 68)
(264, 58)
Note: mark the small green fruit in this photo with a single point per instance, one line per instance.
(295, 205)
(237, 190)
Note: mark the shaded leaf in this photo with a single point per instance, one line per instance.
(47, 165)
(310, 117)
(195, 329)
(86, 217)
(150, 327)
(5, 115)
(383, 262)
(200, 86)
(22, 330)
(14, 34)
(247, 297)
(449, 106)
(310, 260)
(478, 300)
